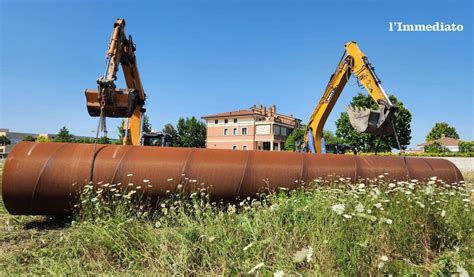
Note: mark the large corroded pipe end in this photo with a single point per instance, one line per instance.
(45, 178)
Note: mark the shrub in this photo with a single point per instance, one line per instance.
(466, 146)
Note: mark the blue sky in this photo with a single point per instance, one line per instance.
(204, 57)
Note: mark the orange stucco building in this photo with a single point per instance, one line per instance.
(257, 128)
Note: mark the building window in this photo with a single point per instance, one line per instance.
(226, 132)
(235, 132)
(244, 131)
(235, 120)
(234, 147)
(226, 121)
(216, 121)
(244, 147)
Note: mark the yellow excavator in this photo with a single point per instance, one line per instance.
(380, 122)
(129, 103)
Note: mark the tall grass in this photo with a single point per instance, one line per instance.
(371, 228)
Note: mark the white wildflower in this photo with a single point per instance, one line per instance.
(248, 246)
(376, 191)
(414, 181)
(388, 221)
(381, 176)
(381, 265)
(138, 187)
(146, 181)
(434, 178)
(255, 268)
(105, 185)
(309, 255)
(338, 208)
(443, 213)
(378, 205)
(361, 186)
(429, 189)
(279, 273)
(347, 216)
(130, 175)
(462, 272)
(391, 185)
(113, 189)
(420, 204)
(130, 184)
(466, 200)
(359, 207)
(179, 186)
(305, 253)
(384, 258)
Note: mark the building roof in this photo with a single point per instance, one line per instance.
(445, 141)
(234, 113)
(260, 111)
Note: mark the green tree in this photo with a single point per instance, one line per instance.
(121, 128)
(364, 142)
(64, 135)
(169, 129)
(466, 146)
(104, 140)
(4, 141)
(121, 131)
(442, 128)
(295, 140)
(42, 139)
(84, 140)
(146, 124)
(435, 147)
(191, 133)
(329, 137)
(28, 138)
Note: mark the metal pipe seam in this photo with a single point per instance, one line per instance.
(45, 178)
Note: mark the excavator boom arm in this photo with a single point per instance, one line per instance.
(108, 101)
(354, 62)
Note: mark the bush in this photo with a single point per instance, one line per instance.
(466, 146)
(436, 147)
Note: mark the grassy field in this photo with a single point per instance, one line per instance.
(368, 229)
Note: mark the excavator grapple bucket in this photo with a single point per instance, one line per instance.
(118, 103)
(375, 122)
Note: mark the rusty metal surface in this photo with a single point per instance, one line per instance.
(44, 178)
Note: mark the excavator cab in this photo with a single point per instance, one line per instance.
(376, 122)
(156, 139)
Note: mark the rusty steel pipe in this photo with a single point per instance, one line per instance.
(45, 178)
